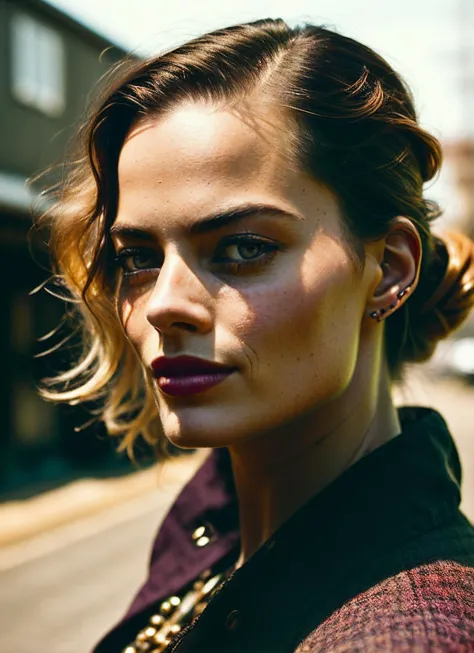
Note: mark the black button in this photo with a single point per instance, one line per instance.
(233, 620)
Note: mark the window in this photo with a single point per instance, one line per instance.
(37, 65)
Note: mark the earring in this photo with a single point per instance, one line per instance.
(402, 293)
(378, 315)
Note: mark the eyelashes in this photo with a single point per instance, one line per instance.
(132, 260)
(249, 253)
(235, 255)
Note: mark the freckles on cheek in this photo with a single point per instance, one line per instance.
(272, 311)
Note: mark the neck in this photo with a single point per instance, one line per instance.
(278, 472)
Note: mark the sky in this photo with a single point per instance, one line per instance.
(422, 39)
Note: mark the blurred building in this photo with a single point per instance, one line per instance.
(459, 156)
(49, 64)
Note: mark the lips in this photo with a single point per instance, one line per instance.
(186, 366)
(187, 375)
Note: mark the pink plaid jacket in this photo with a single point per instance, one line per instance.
(426, 609)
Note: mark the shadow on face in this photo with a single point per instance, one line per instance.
(231, 254)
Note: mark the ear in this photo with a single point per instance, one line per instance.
(400, 265)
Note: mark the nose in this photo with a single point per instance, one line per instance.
(179, 300)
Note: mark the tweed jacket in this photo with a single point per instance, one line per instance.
(381, 560)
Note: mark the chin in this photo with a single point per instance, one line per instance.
(194, 429)
(195, 438)
(186, 445)
(190, 440)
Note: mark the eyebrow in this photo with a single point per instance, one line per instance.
(210, 222)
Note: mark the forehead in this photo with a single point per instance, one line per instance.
(203, 129)
(197, 160)
(202, 144)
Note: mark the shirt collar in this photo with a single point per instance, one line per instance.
(200, 530)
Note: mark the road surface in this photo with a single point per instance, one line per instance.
(64, 589)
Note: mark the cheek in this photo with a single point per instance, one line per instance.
(303, 328)
(132, 315)
(292, 303)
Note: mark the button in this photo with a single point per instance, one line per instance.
(130, 649)
(202, 535)
(233, 620)
(175, 601)
(199, 532)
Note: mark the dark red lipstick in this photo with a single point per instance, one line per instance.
(181, 376)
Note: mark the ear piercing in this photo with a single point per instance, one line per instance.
(378, 315)
(402, 293)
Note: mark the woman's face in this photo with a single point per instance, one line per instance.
(271, 289)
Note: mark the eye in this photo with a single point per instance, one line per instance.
(244, 251)
(135, 260)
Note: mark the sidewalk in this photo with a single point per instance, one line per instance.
(21, 520)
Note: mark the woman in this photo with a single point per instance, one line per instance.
(251, 250)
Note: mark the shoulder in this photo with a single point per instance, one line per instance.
(430, 607)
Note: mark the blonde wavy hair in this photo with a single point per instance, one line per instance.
(356, 130)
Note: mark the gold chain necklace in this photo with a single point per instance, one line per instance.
(175, 613)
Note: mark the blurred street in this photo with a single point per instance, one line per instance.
(64, 600)
(60, 591)
(63, 589)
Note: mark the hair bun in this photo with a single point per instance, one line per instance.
(447, 308)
